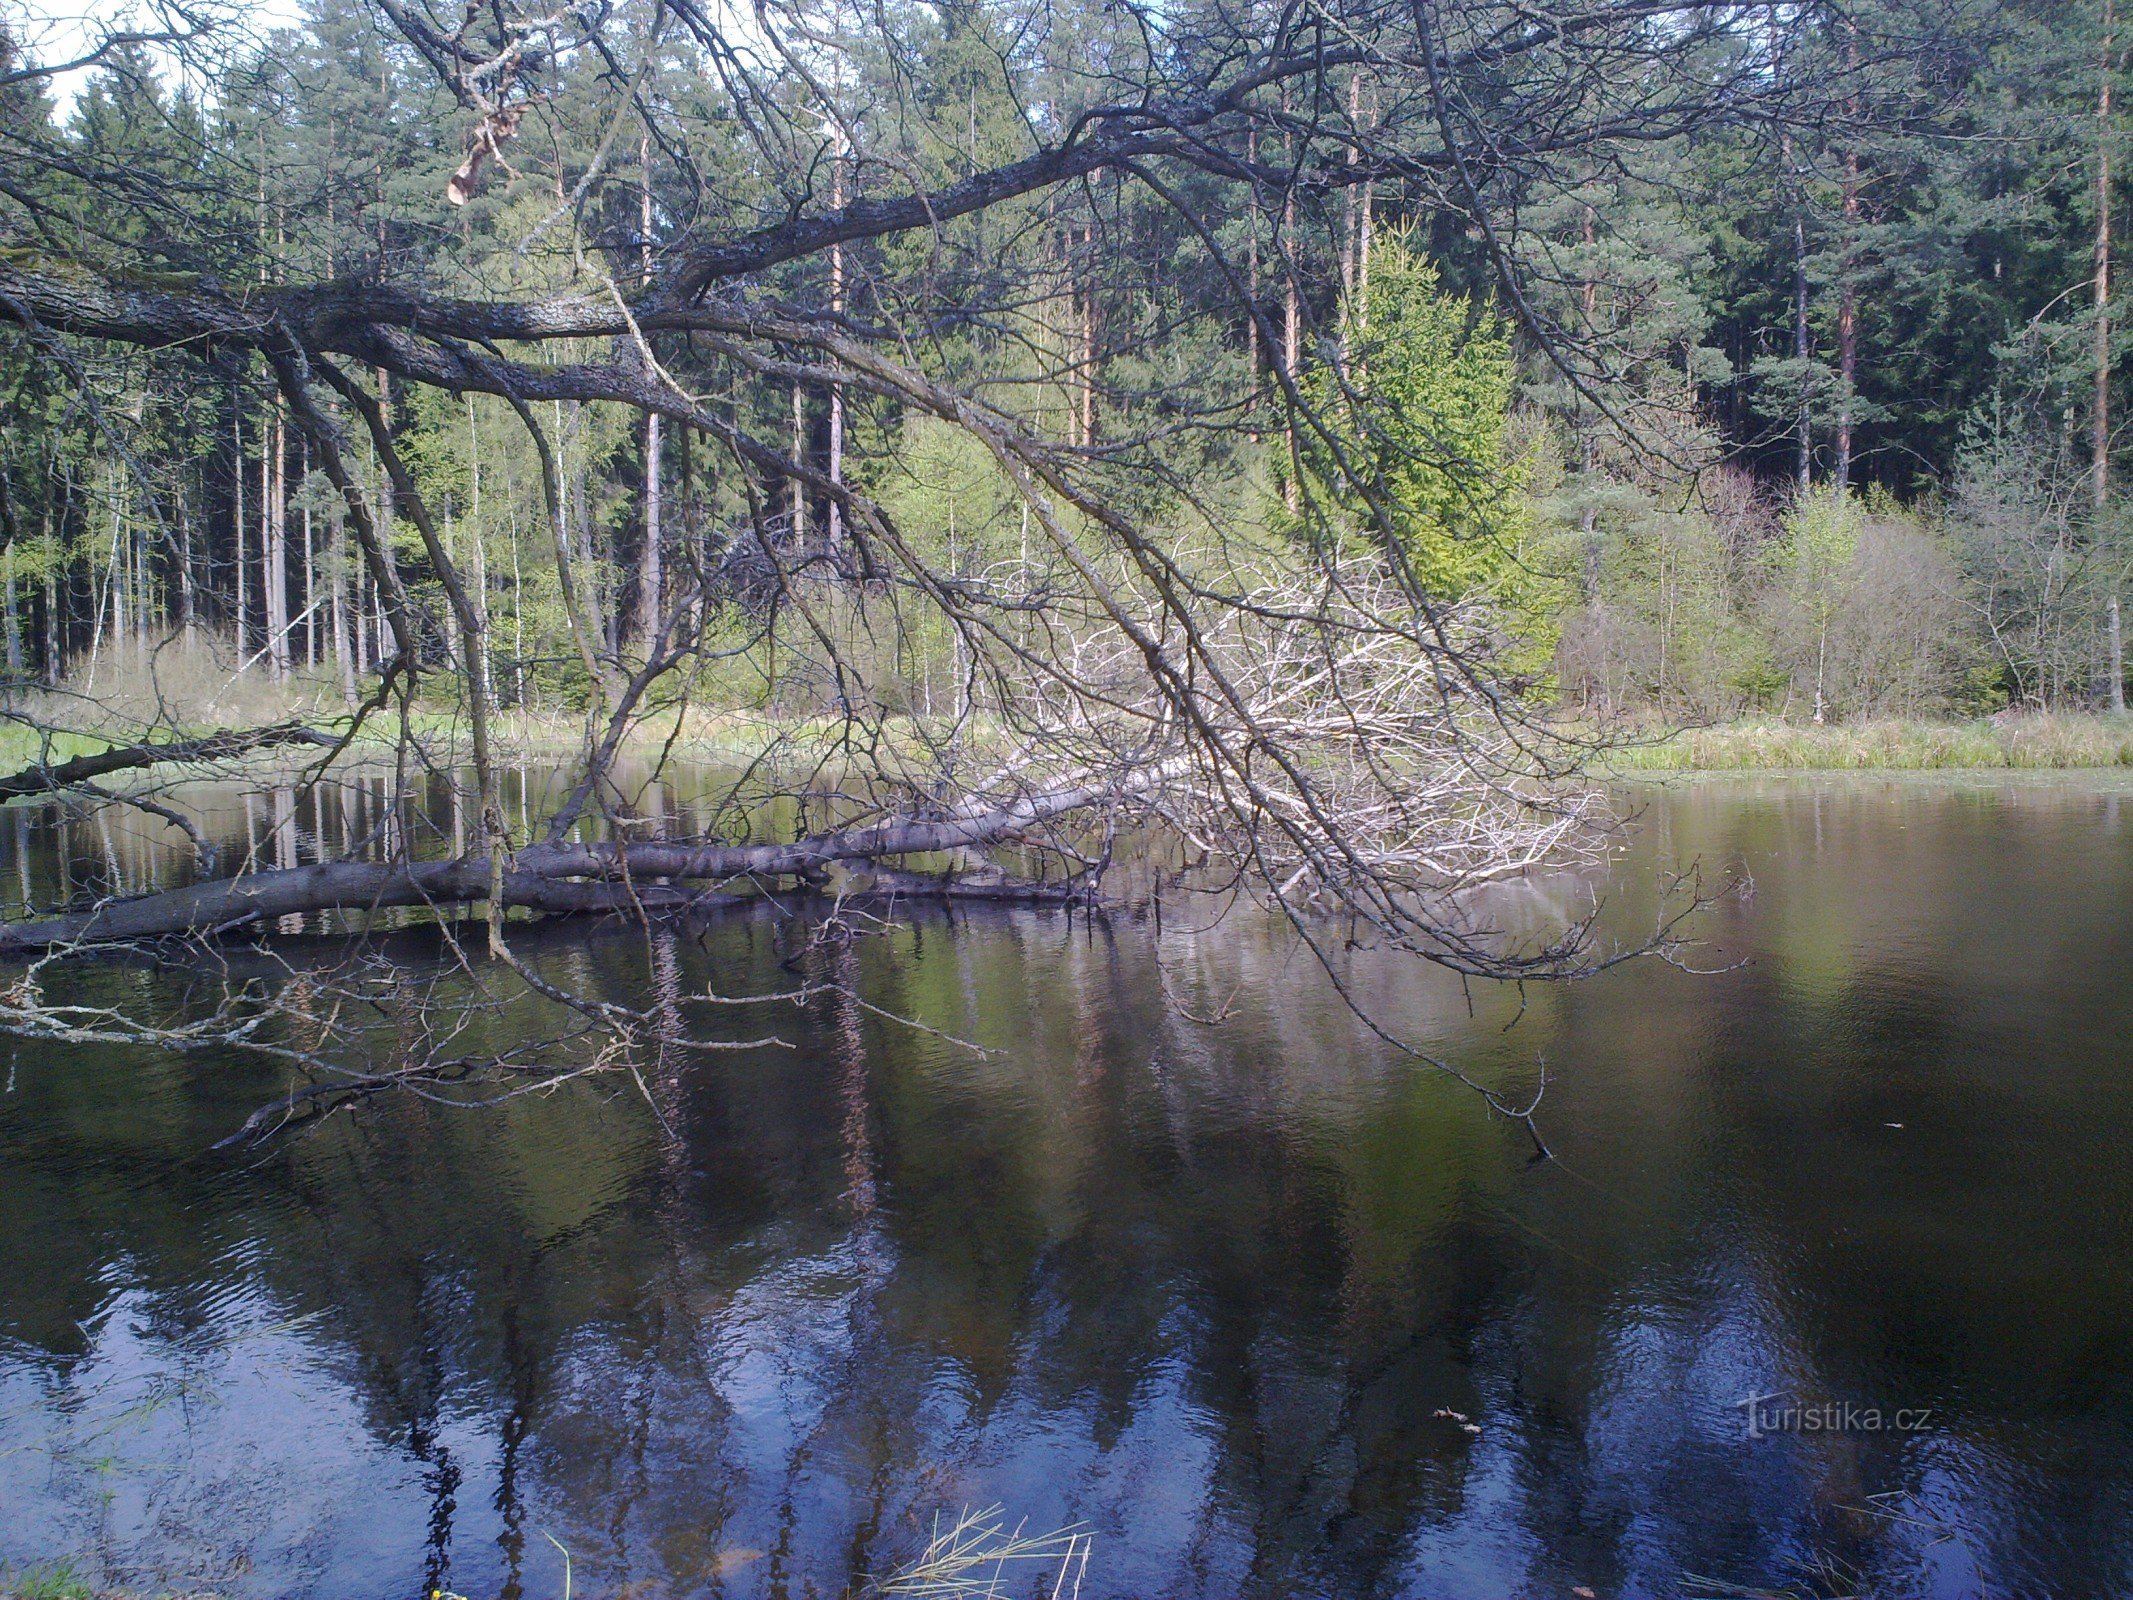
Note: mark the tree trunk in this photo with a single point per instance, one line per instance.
(799, 456)
(1802, 347)
(651, 580)
(1362, 257)
(237, 432)
(1291, 316)
(1847, 294)
(51, 619)
(2100, 422)
(564, 878)
(1251, 264)
(1588, 452)
(1351, 214)
(2118, 660)
(311, 628)
(14, 620)
(344, 655)
(1802, 352)
(1847, 335)
(1088, 351)
(274, 579)
(835, 515)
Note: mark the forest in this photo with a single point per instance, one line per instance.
(1834, 439)
(1310, 435)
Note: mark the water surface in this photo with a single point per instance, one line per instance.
(1265, 1307)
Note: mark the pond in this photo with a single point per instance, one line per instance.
(1828, 1288)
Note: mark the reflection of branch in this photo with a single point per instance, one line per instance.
(204, 853)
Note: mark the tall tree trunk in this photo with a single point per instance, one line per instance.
(1351, 215)
(1088, 350)
(358, 626)
(1251, 260)
(51, 620)
(237, 427)
(478, 565)
(274, 579)
(1847, 294)
(1847, 331)
(337, 597)
(1351, 220)
(799, 456)
(376, 644)
(2100, 422)
(835, 515)
(311, 627)
(14, 619)
(1588, 452)
(2118, 659)
(1802, 345)
(1291, 313)
(651, 579)
(1363, 238)
(1802, 352)
(185, 563)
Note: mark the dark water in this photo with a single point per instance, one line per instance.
(1209, 1290)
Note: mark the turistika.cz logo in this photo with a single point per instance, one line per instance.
(1780, 1413)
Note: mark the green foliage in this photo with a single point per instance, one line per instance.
(57, 1580)
(1414, 410)
(1957, 257)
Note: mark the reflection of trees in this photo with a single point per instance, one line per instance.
(751, 1327)
(839, 1295)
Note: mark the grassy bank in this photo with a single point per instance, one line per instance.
(190, 691)
(2035, 742)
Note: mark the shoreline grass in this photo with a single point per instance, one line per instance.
(190, 691)
(2043, 741)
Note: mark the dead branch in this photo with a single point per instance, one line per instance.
(228, 745)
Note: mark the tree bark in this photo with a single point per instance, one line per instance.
(1291, 315)
(1847, 332)
(237, 433)
(337, 589)
(274, 576)
(651, 579)
(1847, 292)
(14, 620)
(2100, 421)
(2118, 660)
(1802, 352)
(835, 513)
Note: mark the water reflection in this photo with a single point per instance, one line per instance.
(1268, 1311)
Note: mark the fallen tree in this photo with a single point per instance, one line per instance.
(567, 879)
